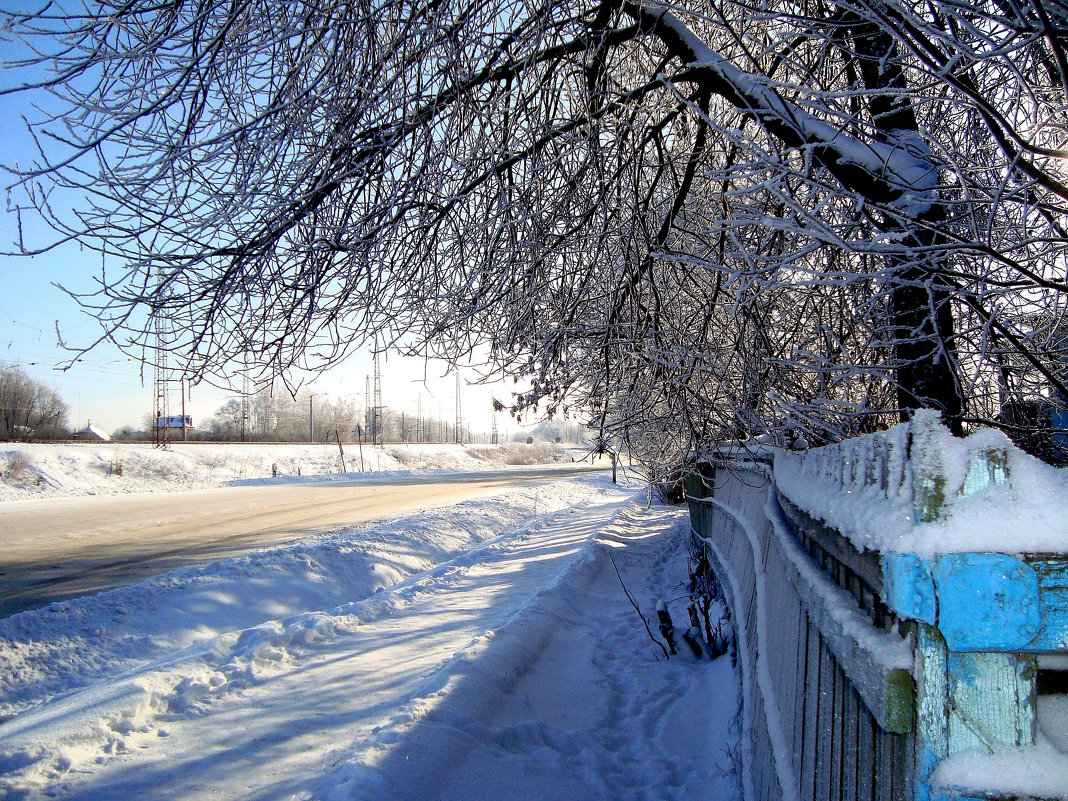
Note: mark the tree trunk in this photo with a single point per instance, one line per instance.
(921, 314)
(923, 322)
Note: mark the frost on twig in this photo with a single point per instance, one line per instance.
(719, 222)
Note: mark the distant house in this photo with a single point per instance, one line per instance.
(175, 421)
(92, 433)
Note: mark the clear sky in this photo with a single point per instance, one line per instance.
(114, 390)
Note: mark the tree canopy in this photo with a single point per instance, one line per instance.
(684, 223)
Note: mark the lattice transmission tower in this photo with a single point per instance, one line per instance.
(160, 385)
(161, 330)
(379, 434)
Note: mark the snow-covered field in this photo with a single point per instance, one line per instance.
(483, 650)
(31, 470)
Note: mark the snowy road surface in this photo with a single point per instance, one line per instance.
(515, 669)
(61, 548)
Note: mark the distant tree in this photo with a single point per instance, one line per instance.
(280, 417)
(129, 433)
(549, 430)
(225, 424)
(28, 408)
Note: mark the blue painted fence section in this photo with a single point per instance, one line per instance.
(832, 710)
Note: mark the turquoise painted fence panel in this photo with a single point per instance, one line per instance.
(984, 601)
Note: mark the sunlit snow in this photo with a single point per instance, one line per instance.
(477, 651)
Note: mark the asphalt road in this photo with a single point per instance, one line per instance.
(64, 548)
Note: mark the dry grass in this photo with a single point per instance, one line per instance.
(403, 456)
(538, 453)
(18, 468)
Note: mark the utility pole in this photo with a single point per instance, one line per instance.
(459, 417)
(377, 433)
(162, 390)
(311, 423)
(182, 386)
(367, 411)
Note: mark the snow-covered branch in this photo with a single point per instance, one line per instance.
(678, 223)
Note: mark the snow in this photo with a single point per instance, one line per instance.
(481, 650)
(1038, 771)
(92, 432)
(92, 636)
(1026, 515)
(906, 163)
(997, 499)
(840, 619)
(749, 635)
(32, 471)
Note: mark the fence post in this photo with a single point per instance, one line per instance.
(932, 705)
(971, 610)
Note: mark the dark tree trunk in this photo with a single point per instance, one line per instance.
(921, 313)
(922, 319)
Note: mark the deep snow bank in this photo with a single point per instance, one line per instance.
(29, 471)
(71, 644)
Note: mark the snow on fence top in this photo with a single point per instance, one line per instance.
(916, 488)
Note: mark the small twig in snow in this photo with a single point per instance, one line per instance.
(636, 607)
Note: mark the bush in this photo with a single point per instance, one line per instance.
(405, 457)
(484, 452)
(17, 468)
(540, 453)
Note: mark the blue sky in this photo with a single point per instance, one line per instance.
(114, 390)
(106, 386)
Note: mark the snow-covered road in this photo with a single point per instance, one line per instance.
(515, 668)
(61, 548)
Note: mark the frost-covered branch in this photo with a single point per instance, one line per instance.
(679, 223)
